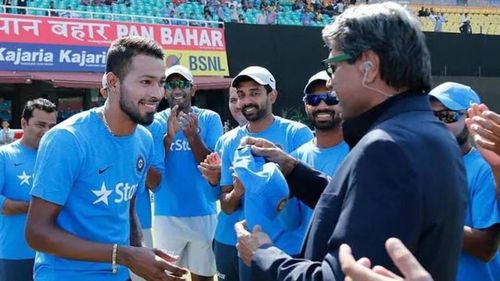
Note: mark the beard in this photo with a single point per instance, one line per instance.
(132, 111)
(258, 114)
(324, 125)
(463, 137)
(183, 105)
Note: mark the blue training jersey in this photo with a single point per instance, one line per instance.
(143, 199)
(16, 177)
(183, 191)
(482, 212)
(296, 216)
(224, 232)
(289, 135)
(92, 175)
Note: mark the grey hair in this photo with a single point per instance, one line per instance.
(390, 31)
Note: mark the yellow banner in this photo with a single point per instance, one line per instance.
(201, 63)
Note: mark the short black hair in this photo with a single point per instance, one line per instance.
(40, 104)
(122, 51)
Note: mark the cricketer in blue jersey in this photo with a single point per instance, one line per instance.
(324, 153)
(226, 255)
(256, 90)
(479, 259)
(185, 209)
(17, 161)
(82, 220)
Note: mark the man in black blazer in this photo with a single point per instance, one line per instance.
(404, 176)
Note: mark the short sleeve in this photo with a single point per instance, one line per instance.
(57, 166)
(302, 135)
(158, 157)
(215, 130)
(483, 202)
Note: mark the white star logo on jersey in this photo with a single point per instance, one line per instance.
(25, 179)
(102, 194)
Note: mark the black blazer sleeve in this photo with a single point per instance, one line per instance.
(380, 200)
(270, 264)
(306, 184)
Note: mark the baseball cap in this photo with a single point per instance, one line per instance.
(104, 81)
(266, 190)
(258, 74)
(181, 70)
(320, 76)
(455, 96)
(264, 183)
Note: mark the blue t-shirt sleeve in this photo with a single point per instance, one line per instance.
(484, 205)
(215, 130)
(158, 157)
(226, 177)
(218, 150)
(2, 180)
(57, 166)
(301, 135)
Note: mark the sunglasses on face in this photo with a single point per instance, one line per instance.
(448, 116)
(329, 63)
(314, 100)
(170, 86)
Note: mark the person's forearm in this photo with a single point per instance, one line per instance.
(229, 200)
(199, 149)
(496, 175)
(482, 244)
(135, 225)
(306, 184)
(55, 241)
(12, 207)
(135, 230)
(153, 179)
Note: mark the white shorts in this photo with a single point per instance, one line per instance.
(147, 239)
(189, 238)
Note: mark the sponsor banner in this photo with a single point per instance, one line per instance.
(59, 44)
(200, 63)
(52, 57)
(45, 57)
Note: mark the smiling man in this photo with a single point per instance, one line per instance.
(325, 152)
(82, 220)
(257, 92)
(185, 210)
(16, 163)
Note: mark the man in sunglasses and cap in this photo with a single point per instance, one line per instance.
(450, 102)
(185, 210)
(327, 150)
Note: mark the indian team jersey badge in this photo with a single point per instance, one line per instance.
(281, 204)
(139, 166)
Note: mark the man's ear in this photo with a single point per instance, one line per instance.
(24, 123)
(370, 66)
(273, 95)
(113, 83)
(194, 88)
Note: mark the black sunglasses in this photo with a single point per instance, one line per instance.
(316, 99)
(170, 86)
(448, 116)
